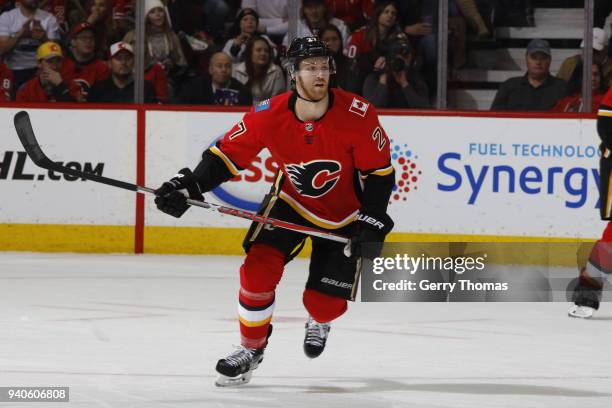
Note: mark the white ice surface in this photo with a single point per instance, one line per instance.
(146, 331)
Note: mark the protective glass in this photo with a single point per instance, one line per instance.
(316, 67)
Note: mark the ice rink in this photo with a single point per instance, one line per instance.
(146, 331)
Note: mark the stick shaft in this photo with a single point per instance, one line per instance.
(24, 129)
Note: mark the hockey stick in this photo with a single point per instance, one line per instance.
(23, 126)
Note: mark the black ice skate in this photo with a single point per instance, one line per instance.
(237, 368)
(586, 301)
(316, 336)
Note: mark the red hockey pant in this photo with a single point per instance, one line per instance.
(599, 264)
(259, 274)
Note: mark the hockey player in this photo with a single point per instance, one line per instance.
(587, 293)
(335, 173)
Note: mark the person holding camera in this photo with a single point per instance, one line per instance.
(395, 82)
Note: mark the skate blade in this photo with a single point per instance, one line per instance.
(577, 313)
(575, 316)
(225, 381)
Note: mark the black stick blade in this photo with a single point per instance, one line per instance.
(23, 126)
(29, 142)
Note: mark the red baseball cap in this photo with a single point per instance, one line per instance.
(81, 27)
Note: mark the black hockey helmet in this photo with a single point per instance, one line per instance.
(307, 47)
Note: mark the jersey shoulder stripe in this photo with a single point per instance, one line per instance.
(226, 160)
(605, 110)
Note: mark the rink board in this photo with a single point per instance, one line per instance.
(44, 211)
(464, 178)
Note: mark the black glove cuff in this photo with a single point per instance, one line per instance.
(379, 222)
(185, 180)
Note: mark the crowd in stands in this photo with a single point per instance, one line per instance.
(230, 52)
(539, 90)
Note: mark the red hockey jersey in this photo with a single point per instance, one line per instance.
(156, 75)
(6, 83)
(350, 11)
(358, 43)
(85, 75)
(32, 91)
(320, 160)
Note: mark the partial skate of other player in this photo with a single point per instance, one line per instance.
(588, 291)
(587, 294)
(335, 173)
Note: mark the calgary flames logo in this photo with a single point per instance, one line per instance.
(315, 178)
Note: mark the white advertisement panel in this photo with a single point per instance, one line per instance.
(455, 175)
(103, 142)
(495, 176)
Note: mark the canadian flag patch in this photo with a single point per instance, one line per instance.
(359, 107)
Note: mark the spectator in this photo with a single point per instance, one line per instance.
(372, 37)
(215, 14)
(573, 102)
(412, 18)
(119, 87)
(101, 18)
(156, 75)
(162, 45)
(354, 13)
(48, 85)
(603, 8)
(6, 5)
(58, 9)
(123, 10)
(186, 17)
(273, 16)
(472, 16)
(314, 18)
(244, 28)
(22, 31)
(368, 43)
(6, 83)
(217, 87)
(81, 64)
(600, 57)
(123, 16)
(258, 73)
(347, 74)
(537, 90)
(428, 42)
(395, 83)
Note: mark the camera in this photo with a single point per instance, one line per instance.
(393, 51)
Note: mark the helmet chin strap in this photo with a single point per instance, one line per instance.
(308, 100)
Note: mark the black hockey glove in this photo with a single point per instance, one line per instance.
(369, 235)
(172, 195)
